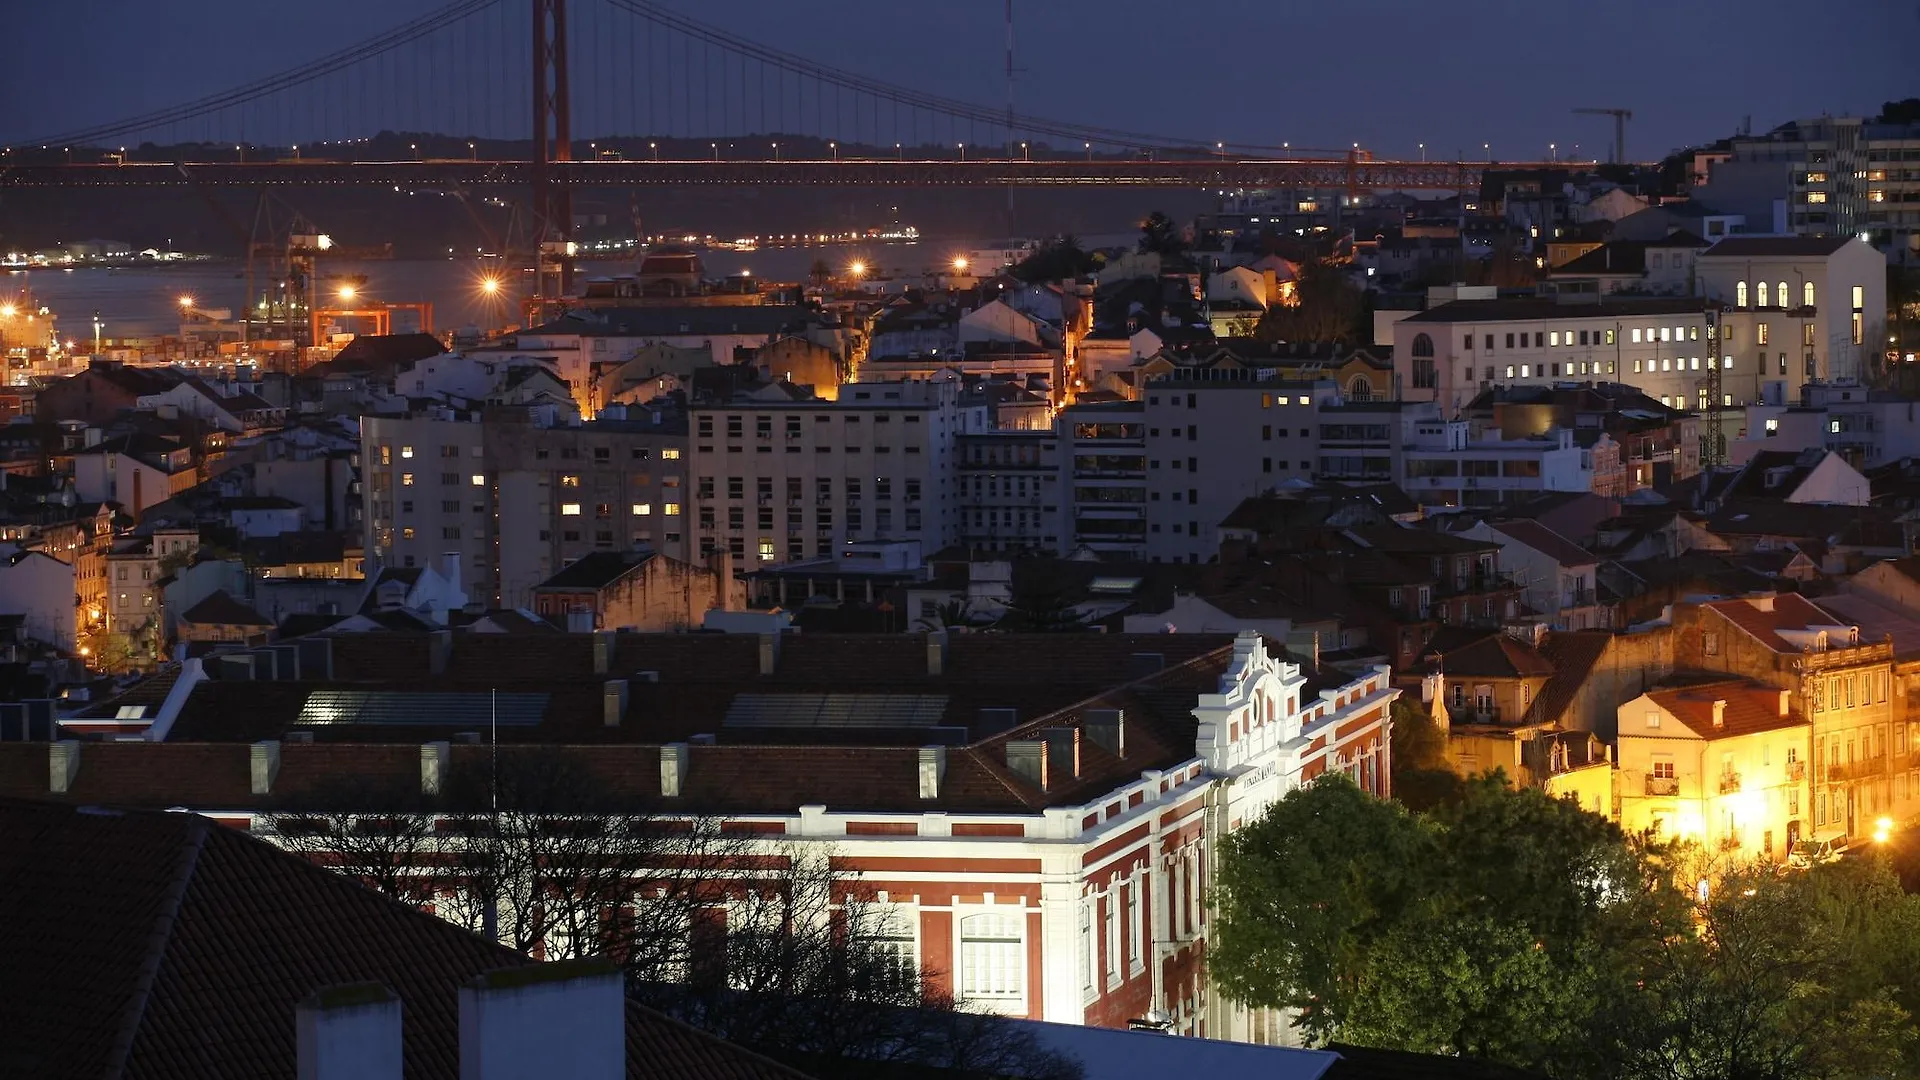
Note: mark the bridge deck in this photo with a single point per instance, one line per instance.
(1206, 173)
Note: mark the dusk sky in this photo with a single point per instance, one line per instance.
(1386, 73)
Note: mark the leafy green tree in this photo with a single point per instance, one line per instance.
(1041, 604)
(1421, 777)
(1059, 259)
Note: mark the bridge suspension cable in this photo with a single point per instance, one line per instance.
(438, 19)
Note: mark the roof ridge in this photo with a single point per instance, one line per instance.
(189, 863)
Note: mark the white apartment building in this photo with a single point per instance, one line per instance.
(1214, 438)
(1010, 493)
(778, 479)
(1866, 427)
(1106, 468)
(1452, 352)
(518, 497)
(1795, 309)
(1446, 467)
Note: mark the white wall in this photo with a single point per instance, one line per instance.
(40, 587)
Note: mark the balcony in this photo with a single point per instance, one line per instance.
(1729, 783)
(1796, 771)
(1863, 769)
(1663, 785)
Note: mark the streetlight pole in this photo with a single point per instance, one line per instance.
(1423, 153)
(963, 151)
(97, 327)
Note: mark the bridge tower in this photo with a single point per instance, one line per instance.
(552, 202)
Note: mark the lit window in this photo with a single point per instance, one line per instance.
(406, 451)
(1553, 338)
(386, 454)
(1509, 371)
(1816, 178)
(766, 549)
(1740, 294)
(1727, 401)
(1773, 424)
(1524, 370)
(1762, 287)
(670, 509)
(1859, 299)
(406, 479)
(1806, 294)
(570, 481)
(479, 480)
(406, 533)
(1816, 196)
(1663, 334)
(1636, 335)
(1305, 400)
(569, 509)
(1832, 425)
(670, 453)
(1610, 337)
(642, 509)
(1761, 331)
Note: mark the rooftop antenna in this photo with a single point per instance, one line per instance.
(493, 781)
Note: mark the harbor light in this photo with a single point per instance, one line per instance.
(490, 285)
(960, 264)
(185, 301)
(347, 292)
(857, 269)
(7, 311)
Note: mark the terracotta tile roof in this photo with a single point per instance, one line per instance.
(162, 945)
(220, 609)
(1491, 655)
(1762, 618)
(1751, 708)
(1573, 654)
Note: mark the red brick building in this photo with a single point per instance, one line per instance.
(1040, 809)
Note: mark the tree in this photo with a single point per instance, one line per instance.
(1810, 975)
(1421, 777)
(1041, 603)
(385, 840)
(819, 272)
(1058, 259)
(1490, 928)
(948, 615)
(1159, 235)
(1328, 308)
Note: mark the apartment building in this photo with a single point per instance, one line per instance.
(780, 479)
(1010, 492)
(1105, 460)
(1866, 427)
(1723, 764)
(1794, 309)
(518, 496)
(1839, 682)
(1828, 176)
(1215, 438)
(1452, 352)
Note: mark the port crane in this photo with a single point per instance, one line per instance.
(1620, 118)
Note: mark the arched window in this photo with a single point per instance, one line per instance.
(1740, 294)
(1762, 298)
(1360, 389)
(1806, 294)
(1422, 345)
(1785, 300)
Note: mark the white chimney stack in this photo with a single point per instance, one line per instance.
(1719, 713)
(545, 1020)
(349, 1033)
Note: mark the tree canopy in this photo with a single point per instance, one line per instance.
(1329, 308)
(1160, 235)
(1058, 259)
(1514, 927)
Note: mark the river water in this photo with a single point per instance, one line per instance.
(144, 302)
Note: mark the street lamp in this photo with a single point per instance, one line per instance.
(898, 154)
(347, 292)
(242, 151)
(856, 269)
(490, 285)
(1487, 148)
(960, 264)
(776, 151)
(1024, 156)
(97, 327)
(1089, 151)
(1553, 151)
(963, 151)
(1423, 151)
(716, 150)
(472, 153)
(835, 147)
(655, 147)
(186, 302)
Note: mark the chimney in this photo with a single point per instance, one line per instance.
(603, 641)
(265, 762)
(1028, 757)
(439, 650)
(613, 702)
(1063, 750)
(349, 1033)
(937, 652)
(567, 1018)
(1785, 697)
(1720, 712)
(933, 770)
(436, 760)
(1107, 729)
(63, 764)
(769, 653)
(673, 769)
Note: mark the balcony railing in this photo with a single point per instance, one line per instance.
(1729, 783)
(1663, 785)
(1796, 770)
(1857, 770)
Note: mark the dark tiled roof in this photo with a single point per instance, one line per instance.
(596, 570)
(386, 353)
(1618, 257)
(671, 321)
(1546, 542)
(1529, 309)
(1492, 655)
(163, 945)
(1573, 655)
(1760, 247)
(220, 609)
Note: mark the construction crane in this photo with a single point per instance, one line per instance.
(1620, 118)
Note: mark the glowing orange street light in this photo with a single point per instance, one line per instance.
(857, 269)
(185, 301)
(490, 285)
(347, 292)
(960, 263)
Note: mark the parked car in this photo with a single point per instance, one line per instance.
(1824, 847)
